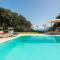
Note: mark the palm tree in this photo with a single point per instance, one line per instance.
(44, 25)
(37, 27)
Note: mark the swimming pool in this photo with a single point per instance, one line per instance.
(31, 48)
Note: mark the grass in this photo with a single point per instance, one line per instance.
(29, 33)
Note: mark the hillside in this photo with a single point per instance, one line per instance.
(12, 19)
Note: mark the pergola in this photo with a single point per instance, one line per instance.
(55, 21)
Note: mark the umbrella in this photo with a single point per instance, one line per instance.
(1, 32)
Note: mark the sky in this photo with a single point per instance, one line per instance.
(39, 12)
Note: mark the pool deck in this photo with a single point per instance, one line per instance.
(2, 40)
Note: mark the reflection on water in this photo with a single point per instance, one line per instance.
(57, 39)
(40, 39)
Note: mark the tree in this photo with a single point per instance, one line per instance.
(58, 17)
(12, 19)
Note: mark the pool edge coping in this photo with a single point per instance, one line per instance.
(2, 40)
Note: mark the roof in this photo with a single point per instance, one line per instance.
(1, 27)
(10, 28)
(7, 27)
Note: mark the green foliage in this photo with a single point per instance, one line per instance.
(58, 17)
(12, 19)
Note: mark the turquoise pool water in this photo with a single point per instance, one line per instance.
(31, 48)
